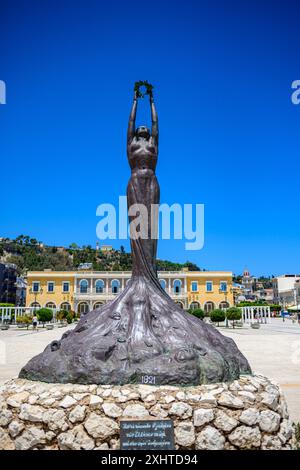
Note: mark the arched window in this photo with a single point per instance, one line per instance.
(180, 304)
(83, 307)
(83, 286)
(209, 307)
(177, 286)
(98, 305)
(115, 286)
(194, 305)
(65, 306)
(50, 305)
(224, 305)
(99, 286)
(35, 305)
(163, 283)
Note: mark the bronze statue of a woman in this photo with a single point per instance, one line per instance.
(143, 331)
(143, 188)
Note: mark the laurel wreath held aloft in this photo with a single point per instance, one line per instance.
(143, 83)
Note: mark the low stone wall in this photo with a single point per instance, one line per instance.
(249, 413)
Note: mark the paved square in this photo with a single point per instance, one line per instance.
(273, 350)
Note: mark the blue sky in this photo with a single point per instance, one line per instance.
(229, 134)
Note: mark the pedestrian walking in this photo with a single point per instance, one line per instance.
(34, 323)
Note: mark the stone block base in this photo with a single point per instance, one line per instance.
(249, 413)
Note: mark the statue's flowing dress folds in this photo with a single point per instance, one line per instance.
(142, 331)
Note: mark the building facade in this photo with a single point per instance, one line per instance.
(285, 289)
(83, 291)
(247, 282)
(51, 289)
(8, 286)
(21, 284)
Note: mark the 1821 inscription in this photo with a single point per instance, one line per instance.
(155, 434)
(149, 380)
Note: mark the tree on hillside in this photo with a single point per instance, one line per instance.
(191, 266)
(73, 246)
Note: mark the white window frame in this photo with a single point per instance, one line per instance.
(212, 286)
(224, 290)
(52, 308)
(103, 286)
(39, 286)
(111, 286)
(64, 303)
(62, 287)
(50, 291)
(88, 286)
(194, 283)
(180, 286)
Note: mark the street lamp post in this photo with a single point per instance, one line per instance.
(35, 293)
(226, 319)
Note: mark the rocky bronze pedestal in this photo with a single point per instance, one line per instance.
(141, 332)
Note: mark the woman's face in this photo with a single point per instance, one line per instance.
(143, 132)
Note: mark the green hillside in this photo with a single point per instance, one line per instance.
(30, 254)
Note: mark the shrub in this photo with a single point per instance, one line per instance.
(197, 312)
(62, 315)
(233, 313)
(44, 315)
(297, 435)
(24, 320)
(69, 318)
(217, 316)
(275, 308)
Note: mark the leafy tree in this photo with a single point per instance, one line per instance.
(217, 316)
(233, 314)
(237, 278)
(71, 316)
(62, 314)
(73, 246)
(191, 266)
(197, 312)
(44, 315)
(18, 261)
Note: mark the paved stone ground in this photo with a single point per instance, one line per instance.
(273, 350)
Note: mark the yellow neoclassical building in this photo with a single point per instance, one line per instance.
(83, 291)
(52, 289)
(210, 289)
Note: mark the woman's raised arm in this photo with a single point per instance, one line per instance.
(131, 122)
(154, 118)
